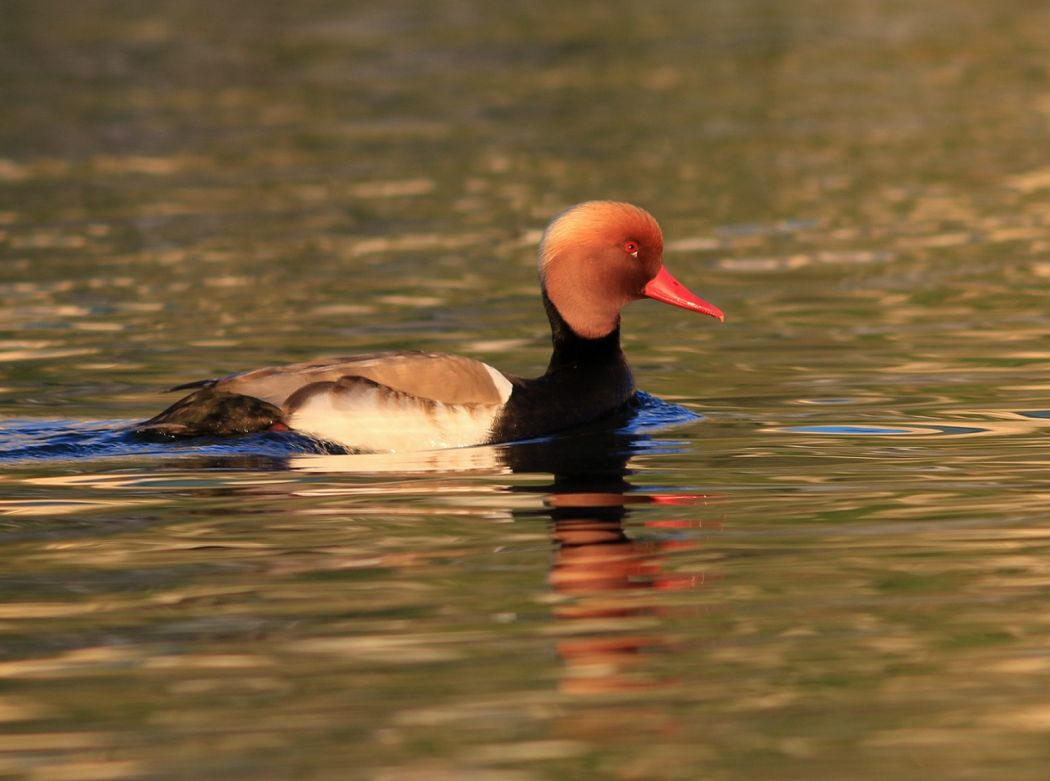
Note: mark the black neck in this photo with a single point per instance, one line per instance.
(572, 351)
(586, 379)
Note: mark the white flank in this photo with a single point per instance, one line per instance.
(503, 385)
(364, 417)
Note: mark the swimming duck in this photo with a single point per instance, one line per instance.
(594, 258)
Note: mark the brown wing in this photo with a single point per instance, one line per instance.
(451, 379)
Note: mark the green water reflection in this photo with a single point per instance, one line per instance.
(839, 572)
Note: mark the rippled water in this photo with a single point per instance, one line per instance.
(819, 549)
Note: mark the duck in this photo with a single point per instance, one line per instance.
(594, 258)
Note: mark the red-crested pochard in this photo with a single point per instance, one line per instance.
(594, 258)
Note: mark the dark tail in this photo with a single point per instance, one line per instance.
(213, 412)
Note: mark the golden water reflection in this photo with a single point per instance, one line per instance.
(384, 602)
(604, 596)
(862, 187)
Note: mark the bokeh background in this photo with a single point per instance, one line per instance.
(191, 188)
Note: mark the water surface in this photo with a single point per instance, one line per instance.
(818, 550)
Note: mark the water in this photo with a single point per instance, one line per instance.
(818, 550)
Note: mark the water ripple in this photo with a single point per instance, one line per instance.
(1002, 423)
(882, 431)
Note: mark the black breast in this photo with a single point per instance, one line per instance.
(586, 379)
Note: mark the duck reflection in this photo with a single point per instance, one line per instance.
(611, 587)
(610, 617)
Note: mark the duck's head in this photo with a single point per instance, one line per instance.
(600, 255)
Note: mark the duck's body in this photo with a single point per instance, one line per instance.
(595, 258)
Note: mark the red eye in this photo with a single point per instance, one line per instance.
(631, 247)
